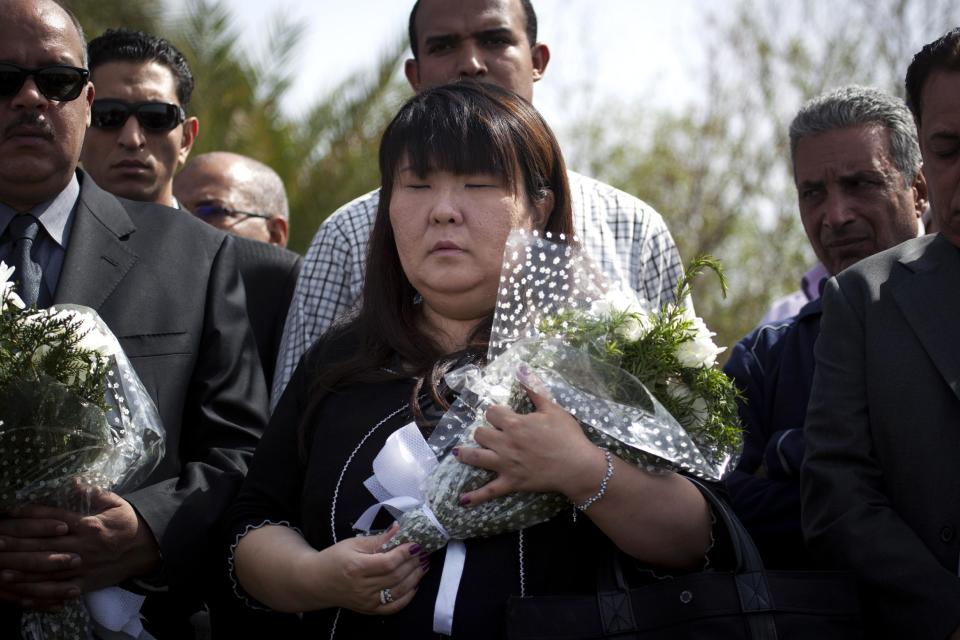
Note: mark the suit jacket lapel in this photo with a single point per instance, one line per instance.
(96, 259)
(928, 297)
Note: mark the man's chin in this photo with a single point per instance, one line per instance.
(31, 170)
(130, 189)
(950, 228)
(849, 261)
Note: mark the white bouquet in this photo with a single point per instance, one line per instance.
(74, 417)
(642, 384)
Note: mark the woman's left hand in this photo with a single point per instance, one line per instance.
(542, 451)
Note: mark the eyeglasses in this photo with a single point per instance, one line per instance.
(210, 211)
(56, 82)
(152, 116)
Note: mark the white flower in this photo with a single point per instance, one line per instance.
(634, 327)
(699, 350)
(97, 341)
(92, 338)
(7, 295)
(615, 303)
(698, 406)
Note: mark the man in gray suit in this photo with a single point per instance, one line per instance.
(881, 479)
(185, 329)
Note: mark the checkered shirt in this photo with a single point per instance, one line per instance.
(626, 236)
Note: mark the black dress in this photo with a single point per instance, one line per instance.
(320, 491)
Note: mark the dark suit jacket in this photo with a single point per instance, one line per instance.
(881, 479)
(269, 276)
(168, 286)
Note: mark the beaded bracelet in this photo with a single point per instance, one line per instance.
(586, 504)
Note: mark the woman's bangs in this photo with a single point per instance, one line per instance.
(459, 143)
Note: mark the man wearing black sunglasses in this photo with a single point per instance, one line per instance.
(139, 133)
(168, 287)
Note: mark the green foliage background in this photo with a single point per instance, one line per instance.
(719, 172)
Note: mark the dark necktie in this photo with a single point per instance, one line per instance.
(23, 230)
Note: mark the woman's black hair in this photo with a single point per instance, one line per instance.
(463, 128)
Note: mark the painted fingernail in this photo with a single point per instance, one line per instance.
(415, 549)
(464, 501)
(456, 451)
(61, 529)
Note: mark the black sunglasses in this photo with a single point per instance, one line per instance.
(56, 82)
(152, 116)
(208, 211)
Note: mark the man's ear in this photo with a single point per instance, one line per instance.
(278, 228)
(541, 56)
(191, 128)
(920, 196)
(88, 95)
(412, 71)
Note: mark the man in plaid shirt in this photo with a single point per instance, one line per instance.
(494, 41)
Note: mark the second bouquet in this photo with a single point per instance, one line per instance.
(641, 382)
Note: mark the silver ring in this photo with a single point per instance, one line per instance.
(385, 596)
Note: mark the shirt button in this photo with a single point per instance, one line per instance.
(946, 534)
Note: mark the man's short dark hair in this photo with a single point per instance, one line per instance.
(528, 13)
(127, 45)
(943, 53)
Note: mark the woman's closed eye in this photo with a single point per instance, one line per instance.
(483, 181)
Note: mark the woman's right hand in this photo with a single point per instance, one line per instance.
(355, 573)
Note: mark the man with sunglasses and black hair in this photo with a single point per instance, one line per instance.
(139, 132)
(168, 287)
(140, 135)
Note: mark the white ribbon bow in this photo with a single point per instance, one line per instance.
(399, 473)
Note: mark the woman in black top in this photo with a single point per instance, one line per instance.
(460, 167)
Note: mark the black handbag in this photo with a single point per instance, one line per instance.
(748, 602)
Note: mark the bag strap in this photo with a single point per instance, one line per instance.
(752, 587)
(614, 603)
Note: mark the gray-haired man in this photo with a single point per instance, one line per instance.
(860, 190)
